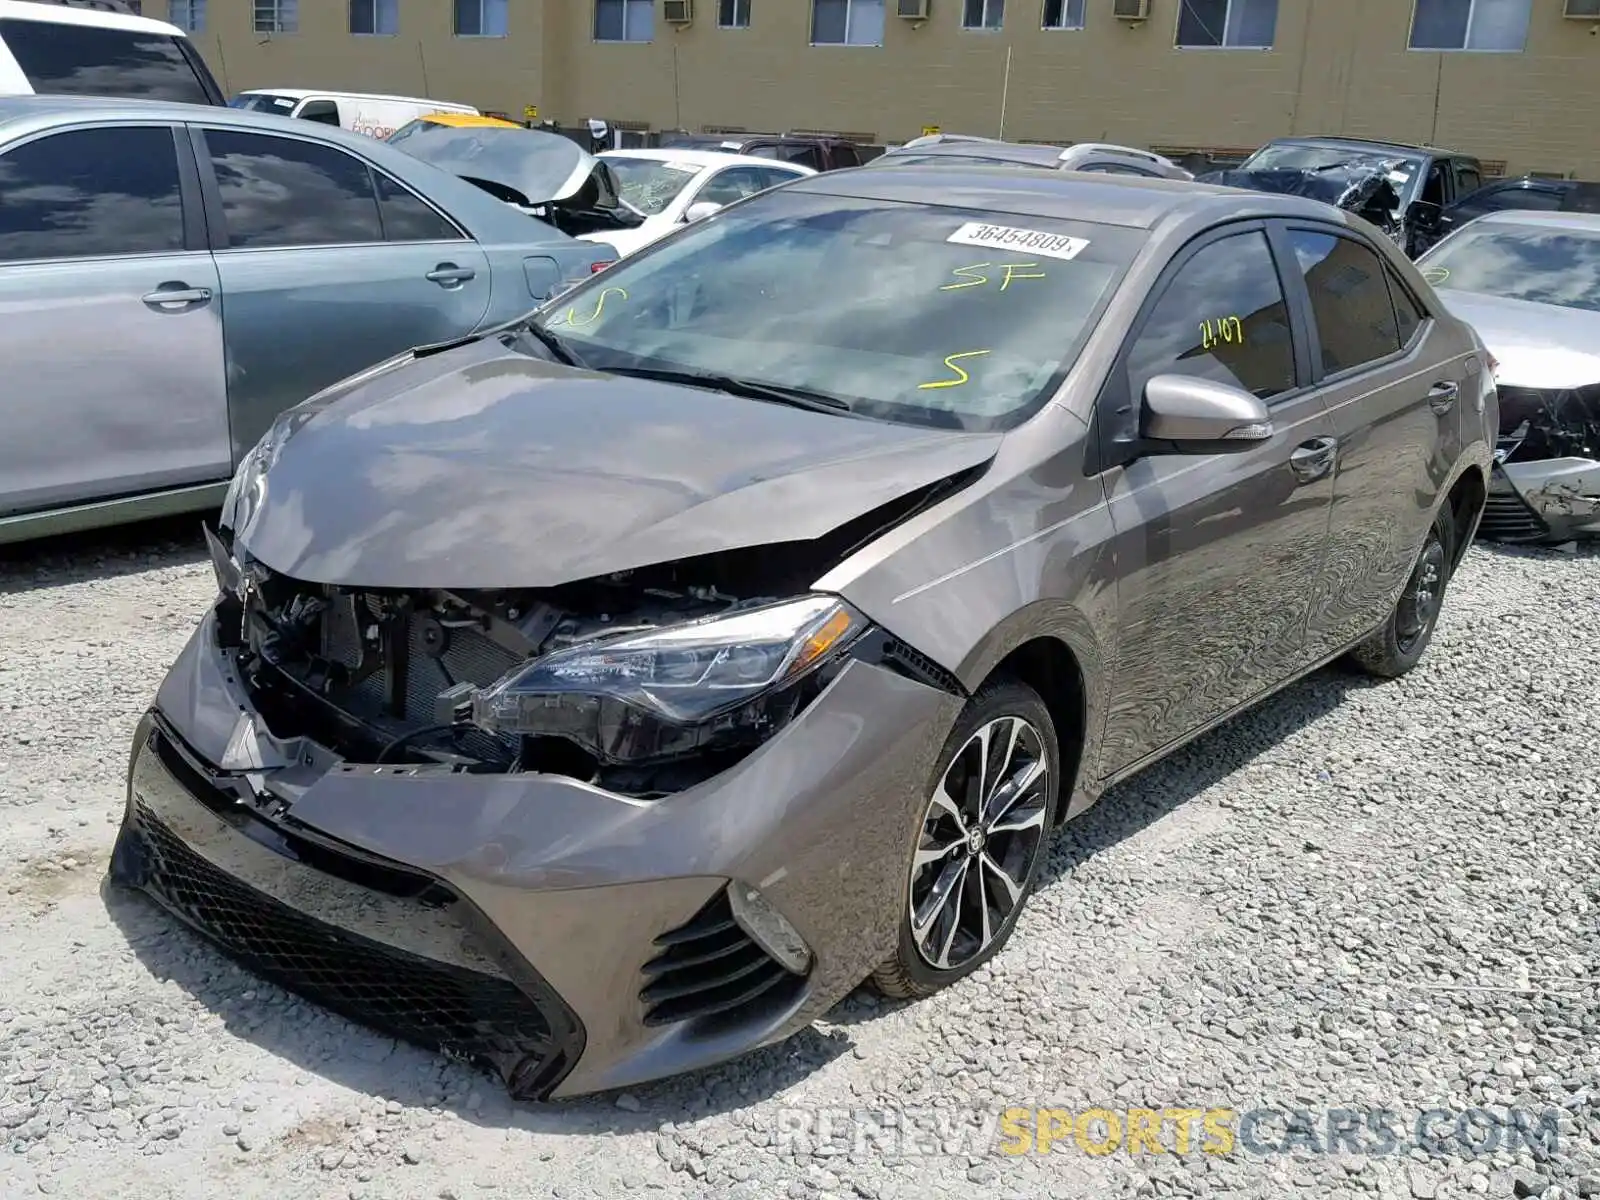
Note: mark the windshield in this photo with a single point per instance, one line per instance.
(263, 102)
(1521, 262)
(409, 128)
(927, 315)
(1290, 156)
(650, 184)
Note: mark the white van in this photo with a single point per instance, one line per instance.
(375, 116)
(98, 48)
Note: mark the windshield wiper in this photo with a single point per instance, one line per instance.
(753, 389)
(553, 343)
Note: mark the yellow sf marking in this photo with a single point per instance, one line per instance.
(971, 277)
(951, 363)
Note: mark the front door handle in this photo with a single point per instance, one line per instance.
(1312, 460)
(451, 276)
(1442, 396)
(177, 293)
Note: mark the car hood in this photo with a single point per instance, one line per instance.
(542, 167)
(484, 467)
(1537, 345)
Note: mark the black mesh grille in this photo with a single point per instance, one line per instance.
(710, 968)
(1507, 518)
(432, 1004)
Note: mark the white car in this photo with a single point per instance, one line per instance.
(673, 187)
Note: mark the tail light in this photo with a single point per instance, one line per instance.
(596, 268)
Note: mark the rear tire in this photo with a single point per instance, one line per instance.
(983, 831)
(1399, 644)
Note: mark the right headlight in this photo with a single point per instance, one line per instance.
(638, 697)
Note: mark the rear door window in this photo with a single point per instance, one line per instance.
(1350, 300)
(87, 60)
(90, 193)
(279, 191)
(406, 218)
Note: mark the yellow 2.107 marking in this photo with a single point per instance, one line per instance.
(950, 362)
(972, 276)
(599, 307)
(1224, 329)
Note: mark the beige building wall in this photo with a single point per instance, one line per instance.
(1338, 66)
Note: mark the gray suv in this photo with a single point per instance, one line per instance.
(174, 277)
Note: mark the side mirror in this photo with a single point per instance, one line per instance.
(1423, 214)
(700, 210)
(1183, 414)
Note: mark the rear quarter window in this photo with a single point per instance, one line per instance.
(87, 60)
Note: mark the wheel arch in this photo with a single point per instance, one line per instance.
(1052, 649)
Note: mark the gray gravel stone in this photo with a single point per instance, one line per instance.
(1352, 895)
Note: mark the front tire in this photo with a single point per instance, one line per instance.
(981, 836)
(1398, 645)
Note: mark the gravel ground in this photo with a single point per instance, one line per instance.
(1358, 895)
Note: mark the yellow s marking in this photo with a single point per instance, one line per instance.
(599, 307)
(970, 274)
(950, 362)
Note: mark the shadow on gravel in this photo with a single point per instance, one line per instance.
(1581, 551)
(101, 554)
(354, 1057)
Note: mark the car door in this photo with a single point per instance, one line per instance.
(327, 265)
(1390, 394)
(110, 326)
(1217, 556)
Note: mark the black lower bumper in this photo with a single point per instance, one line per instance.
(1507, 517)
(510, 1021)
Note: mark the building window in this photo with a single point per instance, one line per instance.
(277, 16)
(624, 20)
(1234, 24)
(847, 22)
(983, 14)
(1500, 25)
(733, 14)
(1063, 14)
(480, 18)
(381, 17)
(187, 15)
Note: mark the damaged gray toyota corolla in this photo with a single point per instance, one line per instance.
(1529, 283)
(610, 694)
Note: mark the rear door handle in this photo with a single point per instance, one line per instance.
(177, 293)
(1312, 460)
(1442, 396)
(449, 275)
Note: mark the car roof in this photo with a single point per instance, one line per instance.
(1583, 222)
(61, 14)
(1131, 201)
(48, 111)
(694, 157)
(1339, 141)
(302, 93)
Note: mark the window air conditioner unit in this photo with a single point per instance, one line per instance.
(912, 10)
(1130, 10)
(1581, 10)
(677, 12)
